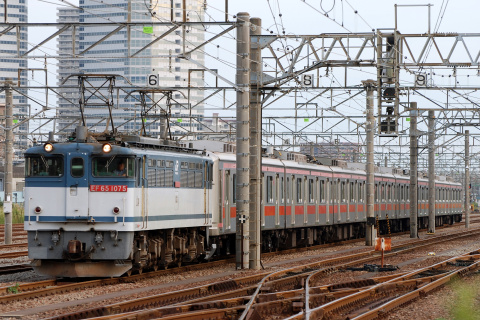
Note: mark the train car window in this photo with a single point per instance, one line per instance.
(299, 190)
(359, 191)
(152, 163)
(376, 192)
(311, 193)
(160, 163)
(234, 188)
(389, 192)
(401, 193)
(342, 192)
(113, 166)
(352, 192)
(269, 189)
(184, 165)
(334, 191)
(169, 163)
(282, 190)
(77, 167)
(40, 166)
(322, 191)
(287, 196)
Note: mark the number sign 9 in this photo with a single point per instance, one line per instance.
(421, 80)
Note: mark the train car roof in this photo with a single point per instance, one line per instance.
(331, 169)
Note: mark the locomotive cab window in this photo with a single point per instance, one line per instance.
(113, 166)
(77, 167)
(40, 166)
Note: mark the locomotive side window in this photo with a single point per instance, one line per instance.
(113, 166)
(40, 166)
(77, 167)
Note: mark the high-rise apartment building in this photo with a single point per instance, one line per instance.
(111, 56)
(10, 66)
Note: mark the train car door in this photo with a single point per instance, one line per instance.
(77, 194)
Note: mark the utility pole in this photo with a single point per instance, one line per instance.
(431, 171)
(413, 171)
(243, 134)
(7, 201)
(370, 225)
(467, 178)
(255, 145)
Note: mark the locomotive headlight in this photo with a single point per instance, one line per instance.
(116, 210)
(107, 148)
(48, 147)
(37, 210)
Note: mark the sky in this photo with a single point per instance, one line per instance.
(298, 17)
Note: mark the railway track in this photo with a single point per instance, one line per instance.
(14, 268)
(240, 294)
(15, 254)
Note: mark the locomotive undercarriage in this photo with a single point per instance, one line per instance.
(165, 248)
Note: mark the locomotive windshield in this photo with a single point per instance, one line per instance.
(41, 166)
(113, 166)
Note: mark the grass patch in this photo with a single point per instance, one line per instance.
(18, 214)
(465, 304)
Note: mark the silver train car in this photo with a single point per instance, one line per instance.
(104, 208)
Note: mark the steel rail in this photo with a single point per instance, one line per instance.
(343, 261)
(394, 285)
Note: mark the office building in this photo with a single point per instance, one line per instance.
(111, 57)
(10, 68)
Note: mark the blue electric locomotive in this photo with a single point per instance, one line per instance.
(93, 210)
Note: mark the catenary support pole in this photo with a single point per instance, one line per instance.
(413, 171)
(431, 171)
(370, 225)
(7, 203)
(467, 178)
(255, 145)
(243, 134)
